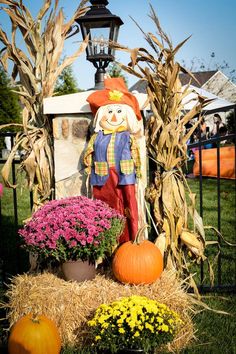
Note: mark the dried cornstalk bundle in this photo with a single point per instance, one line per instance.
(73, 304)
(166, 140)
(37, 70)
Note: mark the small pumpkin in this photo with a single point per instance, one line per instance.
(137, 262)
(34, 335)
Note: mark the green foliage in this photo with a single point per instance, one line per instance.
(78, 228)
(114, 70)
(13, 256)
(228, 207)
(36, 64)
(66, 83)
(215, 332)
(73, 350)
(134, 322)
(10, 110)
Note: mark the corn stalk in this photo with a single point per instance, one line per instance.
(35, 72)
(166, 139)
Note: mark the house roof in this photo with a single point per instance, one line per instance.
(201, 76)
(216, 105)
(220, 85)
(140, 86)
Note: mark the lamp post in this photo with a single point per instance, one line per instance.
(102, 27)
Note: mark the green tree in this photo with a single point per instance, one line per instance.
(66, 83)
(35, 46)
(114, 70)
(10, 109)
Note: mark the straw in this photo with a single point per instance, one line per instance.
(71, 304)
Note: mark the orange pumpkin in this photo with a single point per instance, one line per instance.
(34, 335)
(137, 262)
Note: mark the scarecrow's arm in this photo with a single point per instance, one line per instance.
(135, 155)
(89, 154)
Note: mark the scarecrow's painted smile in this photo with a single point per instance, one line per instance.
(116, 125)
(114, 117)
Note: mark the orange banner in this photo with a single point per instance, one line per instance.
(209, 162)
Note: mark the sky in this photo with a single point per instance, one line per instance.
(211, 24)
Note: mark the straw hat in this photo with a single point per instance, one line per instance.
(115, 92)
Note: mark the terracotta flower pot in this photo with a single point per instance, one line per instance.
(78, 270)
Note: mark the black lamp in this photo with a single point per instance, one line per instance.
(102, 27)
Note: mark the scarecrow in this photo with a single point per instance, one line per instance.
(112, 156)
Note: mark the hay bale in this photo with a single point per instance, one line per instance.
(71, 304)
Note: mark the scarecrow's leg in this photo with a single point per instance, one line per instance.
(131, 210)
(119, 198)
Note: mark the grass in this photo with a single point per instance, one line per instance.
(13, 256)
(215, 332)
(226, 272)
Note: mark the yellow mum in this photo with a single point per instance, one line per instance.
(131, 319)
(150, 327)
(136, 334)
(165, 328)
(121, 330)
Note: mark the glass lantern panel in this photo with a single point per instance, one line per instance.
(113, 37)
(99, 38)
(116, 31)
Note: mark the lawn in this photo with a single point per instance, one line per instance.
(13, 256)
(215, 332)
(226, 272)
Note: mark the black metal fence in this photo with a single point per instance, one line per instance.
(12, 258)
(215, 142)
(9, 243)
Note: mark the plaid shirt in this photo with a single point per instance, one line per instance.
(111, 151)
(135, 155)
(111, 155)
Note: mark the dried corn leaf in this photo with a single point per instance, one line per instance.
(38, 69)
(166, 143)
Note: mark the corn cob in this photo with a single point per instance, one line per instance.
(193, 243)
(160, 242)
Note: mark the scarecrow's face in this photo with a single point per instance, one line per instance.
(114, 116)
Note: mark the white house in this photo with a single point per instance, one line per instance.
(213, 82)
